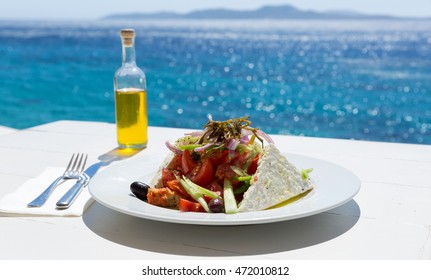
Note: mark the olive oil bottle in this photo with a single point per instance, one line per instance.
(130, 97)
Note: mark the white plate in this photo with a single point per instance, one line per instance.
(335, 186)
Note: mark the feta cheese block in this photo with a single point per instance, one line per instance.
(276, 180)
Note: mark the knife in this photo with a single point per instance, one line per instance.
(70, 196)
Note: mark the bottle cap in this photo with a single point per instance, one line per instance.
(128, 35)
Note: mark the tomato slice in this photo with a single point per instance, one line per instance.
(190, 206)
(215, 187)
(167, 175)
(187, 162)
(224, 171)
(175, 163)
(219, 157)
(253, 165)
(202, 174)
(176, 186)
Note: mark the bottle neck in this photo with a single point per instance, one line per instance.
(129, 56)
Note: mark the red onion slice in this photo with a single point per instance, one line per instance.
(203, 148)
(244, 139)
(232, 144)
(246, 132)
(265, 136)
(173, 148)
(195, 133)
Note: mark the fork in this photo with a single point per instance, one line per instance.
(73, 171)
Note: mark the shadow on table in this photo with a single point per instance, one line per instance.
(220, 241)
(118, 154)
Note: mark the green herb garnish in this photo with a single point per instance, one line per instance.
(305, 173)
(221, 131)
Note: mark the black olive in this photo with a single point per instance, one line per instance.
(216, 205)
(140, 190)
(195, 156)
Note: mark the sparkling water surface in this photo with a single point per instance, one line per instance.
(368, 80)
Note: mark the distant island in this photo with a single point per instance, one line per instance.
(266, 12)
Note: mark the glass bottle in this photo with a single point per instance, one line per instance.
(130, 97)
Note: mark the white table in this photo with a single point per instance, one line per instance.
(390, 218)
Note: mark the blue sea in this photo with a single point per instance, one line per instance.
(368, 80)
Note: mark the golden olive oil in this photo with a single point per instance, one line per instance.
(290, 200)
(131, 117)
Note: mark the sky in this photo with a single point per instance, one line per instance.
(95, 9)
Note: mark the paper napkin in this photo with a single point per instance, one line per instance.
(16, 202)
